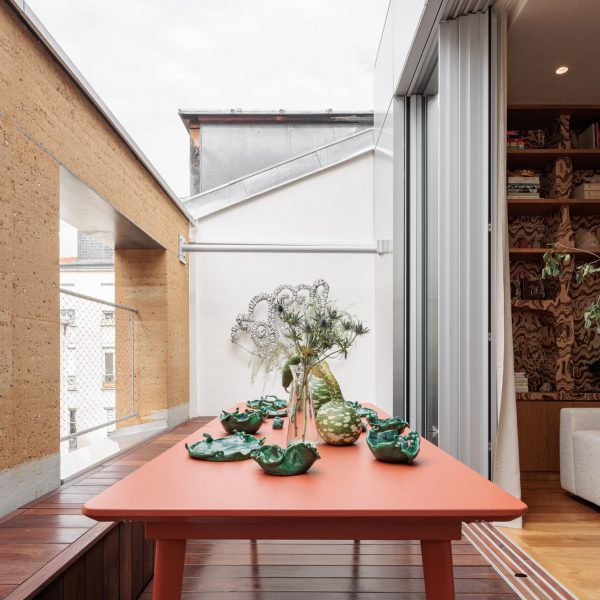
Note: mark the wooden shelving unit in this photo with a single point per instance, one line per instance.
(544, 206)
(536, 159)
(557, 397)
(549, 340)
(537, 253)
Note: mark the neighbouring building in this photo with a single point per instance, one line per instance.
(87, 358)
(229, 145)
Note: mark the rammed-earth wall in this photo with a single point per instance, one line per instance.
(46, 121)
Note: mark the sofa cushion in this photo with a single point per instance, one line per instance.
(586, 455)
(571, 421)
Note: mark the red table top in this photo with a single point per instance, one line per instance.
(346, 482)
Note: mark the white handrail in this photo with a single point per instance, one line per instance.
(379, 247)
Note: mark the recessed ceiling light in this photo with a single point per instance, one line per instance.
(561, 70)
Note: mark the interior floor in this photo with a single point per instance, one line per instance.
(562, 533)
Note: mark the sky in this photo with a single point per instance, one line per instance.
(147, 59)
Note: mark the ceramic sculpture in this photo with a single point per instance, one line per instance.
(363, 411)
(392, 446)
(247, 421)
(269, 406)
(338, 423)
(231, 448)
(296, 459)
(386, 424)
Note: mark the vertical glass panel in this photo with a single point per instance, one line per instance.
(430, 295)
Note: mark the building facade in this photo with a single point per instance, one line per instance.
(229, 145)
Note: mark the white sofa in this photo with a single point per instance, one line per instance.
(580, 452)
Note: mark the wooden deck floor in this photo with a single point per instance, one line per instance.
(39, 538)
(288, 570)
(562, 533)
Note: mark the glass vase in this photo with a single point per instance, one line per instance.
(302, 426)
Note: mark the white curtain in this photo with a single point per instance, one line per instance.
(463, 219)
(506, 471)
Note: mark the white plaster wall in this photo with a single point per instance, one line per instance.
(335, 205)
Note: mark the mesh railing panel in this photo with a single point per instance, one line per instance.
(96, 363)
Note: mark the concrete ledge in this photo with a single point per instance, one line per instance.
(172, 416)
(28, 481)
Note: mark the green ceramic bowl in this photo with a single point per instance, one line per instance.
(391, 446)
(231, 448)
(296, 459)
(395, 423)
(362, 411)
(267, 403)
(247, 421)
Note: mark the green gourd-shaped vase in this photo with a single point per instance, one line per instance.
(338, 423)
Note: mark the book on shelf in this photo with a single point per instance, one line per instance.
(514, 140)
(521, 382)
(589, 138)
(513, 179)
(523, 186)
(587, 191)
(522, 190)
(510, 196)
(519, 187)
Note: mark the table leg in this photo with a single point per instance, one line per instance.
(437, 569)
(168, 569)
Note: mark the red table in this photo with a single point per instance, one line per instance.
(346, 495)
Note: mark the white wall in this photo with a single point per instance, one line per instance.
(332, 206)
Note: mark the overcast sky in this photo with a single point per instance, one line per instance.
(146, 59)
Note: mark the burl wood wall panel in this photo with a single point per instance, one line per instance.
(45, 122)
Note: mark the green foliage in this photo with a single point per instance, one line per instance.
(591, 317)
(269, 364)
(286, 374)
(554, 263)
(319, 333)
(584, 270)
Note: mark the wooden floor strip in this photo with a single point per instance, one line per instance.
(523, 574)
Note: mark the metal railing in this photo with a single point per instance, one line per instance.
(97, 365)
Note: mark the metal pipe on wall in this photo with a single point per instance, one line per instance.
(380, 247)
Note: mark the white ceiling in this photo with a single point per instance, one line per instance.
(549, 33)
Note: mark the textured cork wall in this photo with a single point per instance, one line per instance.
(45, 121)
(147, 280)
(29, 357)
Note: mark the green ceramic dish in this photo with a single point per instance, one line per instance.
(296, 459)
(231, 448)
(247, 421)
(386, 424)
(362, 411)
(268, 402)
(270, 414)
(390, 446)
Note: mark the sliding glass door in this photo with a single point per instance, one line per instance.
(422, 233)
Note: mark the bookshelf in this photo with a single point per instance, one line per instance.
(582, 159)
(550, 342)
